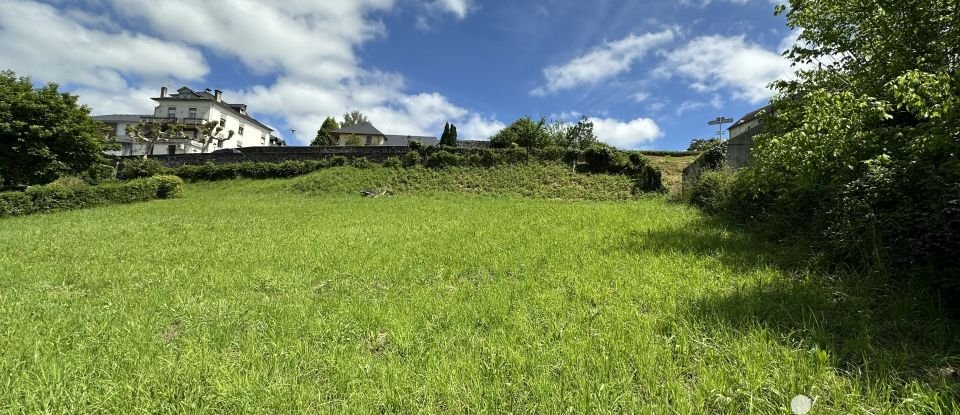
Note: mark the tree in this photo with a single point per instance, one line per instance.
(703, 144)
(152, 133)
(453, 135)
(581, 134)
(445, 137)
(212, 131)
(353, 118)
(325, 135)
(524, 132)
(353, 140)
(45, 134)
(859, 155)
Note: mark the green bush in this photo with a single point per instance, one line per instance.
(68, 194)
(170, 187)
(338, 161)
(516, 154)
(549, 153)
(361, 163)
(139, 167)
(392, 162)
(411, 159)
(485, 158)
(712, 190)
(443, 159)
(600, 158)
(249, 170)
(15, 204)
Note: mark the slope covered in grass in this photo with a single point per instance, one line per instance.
(545, 181)
(245, 297)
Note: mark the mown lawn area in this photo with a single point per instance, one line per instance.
(253, 297)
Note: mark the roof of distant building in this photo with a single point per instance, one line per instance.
(752, 115)
(359, 129)
(404, 140)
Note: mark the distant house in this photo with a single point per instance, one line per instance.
(740, 144)
(192, 109)
(368, 135)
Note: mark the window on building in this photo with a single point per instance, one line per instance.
(223, 121)
(369, 140)
(171, 112)
(192, 113)
(172, 149)
(263, 139)
(240, 130)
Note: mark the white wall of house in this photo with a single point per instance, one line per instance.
(742, 128)
(246, 134)
(365, 140)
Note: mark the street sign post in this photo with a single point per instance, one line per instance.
(720, 121)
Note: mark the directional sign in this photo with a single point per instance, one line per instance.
(721, 121)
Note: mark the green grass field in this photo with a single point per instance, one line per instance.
(265, 297)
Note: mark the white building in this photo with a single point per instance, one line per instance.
(192, 109)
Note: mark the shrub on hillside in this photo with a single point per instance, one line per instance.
(443, 159)
(169, 187)
(711, 191)
(337, 161)
(600, 158)
(393, 162)
(516, 154)
(139, 167)
(70, 195)
(361, 163)
(411, 159)
(250, 170)
(485, 158)
(548, 153)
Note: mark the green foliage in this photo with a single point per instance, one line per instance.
(325, 135)
(253, 170)
(412, 158)
(71, 194)
(45, 134)
(139, 167)
(353, 140)
(443, 159)
(581, 134)
(361, 163)
(712, 190)
(445, 136)
(600, 158)
(353, 118)
(703, 144)
(393, 162)
(549, 153)
(534, 180)
(524, 132)
(338, 161)
(416, 145)
(485, 157)
(516, 155)
(169, 187)
(859, 156)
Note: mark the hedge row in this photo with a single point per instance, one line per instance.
(598, 159)
(70, 194)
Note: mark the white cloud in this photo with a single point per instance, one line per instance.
(458, 8)
(604, 62)
(640, 96)
(626, 134)
(307, 46)
(714, 63)
(44, 43)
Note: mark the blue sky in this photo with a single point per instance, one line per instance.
(650, 74)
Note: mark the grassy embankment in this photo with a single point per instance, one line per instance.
(300, 296)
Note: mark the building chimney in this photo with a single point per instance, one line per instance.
(217, 95)
(163, 92)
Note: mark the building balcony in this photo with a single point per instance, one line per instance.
(192, 122)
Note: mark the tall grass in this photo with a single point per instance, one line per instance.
(246, 297)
